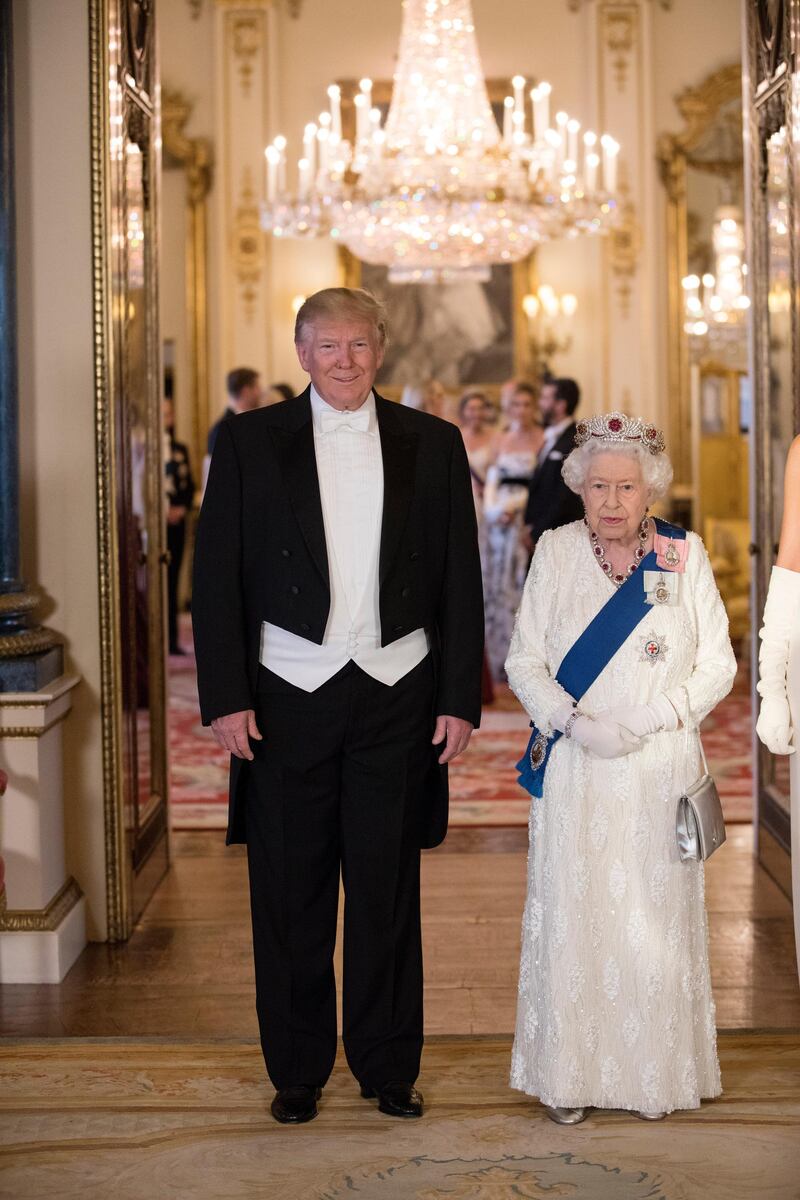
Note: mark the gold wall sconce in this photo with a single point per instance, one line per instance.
(548, 322)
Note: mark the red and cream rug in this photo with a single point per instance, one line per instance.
(483, 784)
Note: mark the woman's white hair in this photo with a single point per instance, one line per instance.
(656, 468)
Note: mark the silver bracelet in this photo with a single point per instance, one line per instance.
(571, 719)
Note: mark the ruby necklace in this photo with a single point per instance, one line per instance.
(598, 549)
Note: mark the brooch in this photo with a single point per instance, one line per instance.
(538, 751)
(654, 648)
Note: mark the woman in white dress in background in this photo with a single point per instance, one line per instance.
(479, 442)
(615, 1008)
(505, 558)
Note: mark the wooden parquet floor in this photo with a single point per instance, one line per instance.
(187, 970)
(88, 1120)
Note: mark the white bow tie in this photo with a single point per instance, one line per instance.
(357, 421)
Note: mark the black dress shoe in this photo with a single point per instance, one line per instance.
(396, 1099)
(295, 1105)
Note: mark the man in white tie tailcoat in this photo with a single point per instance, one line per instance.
(338, 621)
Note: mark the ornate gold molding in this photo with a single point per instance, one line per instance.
(699, 108)
(246, 244)
(619, 26)
(19, 602)
(42, 920)
(28, 641)
(196, 156)
(25, 641)
(246, 42)
(625, 242)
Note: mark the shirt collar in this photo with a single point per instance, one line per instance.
(554, 432)
(318, 407)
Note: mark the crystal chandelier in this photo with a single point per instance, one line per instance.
(715, 307)
(440, 191)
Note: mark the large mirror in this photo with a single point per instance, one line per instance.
(702, 170)
(775, 371)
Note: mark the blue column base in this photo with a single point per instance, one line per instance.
(32, 672)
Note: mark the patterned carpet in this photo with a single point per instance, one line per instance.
(483, 784)
(96, 1119)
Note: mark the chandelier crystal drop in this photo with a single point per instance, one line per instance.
(441, 191)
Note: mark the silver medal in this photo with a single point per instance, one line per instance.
(654, 648)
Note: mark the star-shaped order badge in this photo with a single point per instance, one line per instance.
(654, 648)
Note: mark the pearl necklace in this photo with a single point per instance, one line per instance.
(600, 554)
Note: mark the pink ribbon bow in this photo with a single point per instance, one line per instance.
(666, 551)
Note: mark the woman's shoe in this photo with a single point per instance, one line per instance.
(648, 1116)
(566, 1116)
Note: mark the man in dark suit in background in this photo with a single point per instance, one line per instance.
(338, 622)
(243, 385)
(550, 502)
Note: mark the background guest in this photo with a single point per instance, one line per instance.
(550, 502)
(179, 496)
(278, 392)
(244, 394)
(479, 440)
(504, 500)
(474, 409)
(434, 399)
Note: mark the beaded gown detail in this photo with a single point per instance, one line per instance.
(615, 1007)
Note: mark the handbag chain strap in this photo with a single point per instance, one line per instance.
(699, 738)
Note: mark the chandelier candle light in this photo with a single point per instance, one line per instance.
(441, 192)
(715, 306)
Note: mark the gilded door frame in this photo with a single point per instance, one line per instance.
(120, 877)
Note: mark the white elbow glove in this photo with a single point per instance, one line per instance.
(774, 726)
(643, 719)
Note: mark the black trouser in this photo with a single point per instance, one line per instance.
(176, 541)
(338, 783)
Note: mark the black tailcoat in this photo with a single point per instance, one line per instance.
(261, 556)
(550, 502)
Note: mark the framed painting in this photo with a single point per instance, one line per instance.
(462, 334)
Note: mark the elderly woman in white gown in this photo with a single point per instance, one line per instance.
(615, 1008)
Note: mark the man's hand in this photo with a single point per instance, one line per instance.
(176, 513)
(457, 733)
(526, 539)
(233, 732)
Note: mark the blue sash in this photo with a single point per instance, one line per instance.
(586, 660)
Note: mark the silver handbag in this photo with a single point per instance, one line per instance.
(699, 824)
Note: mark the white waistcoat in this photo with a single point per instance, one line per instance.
(350, 470)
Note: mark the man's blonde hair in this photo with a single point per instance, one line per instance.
(341, 303)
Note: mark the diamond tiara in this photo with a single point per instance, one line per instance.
(619, 427)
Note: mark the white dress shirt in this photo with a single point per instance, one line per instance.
(551, 435)
(350, 470)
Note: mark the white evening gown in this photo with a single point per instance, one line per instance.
(615, 1007)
